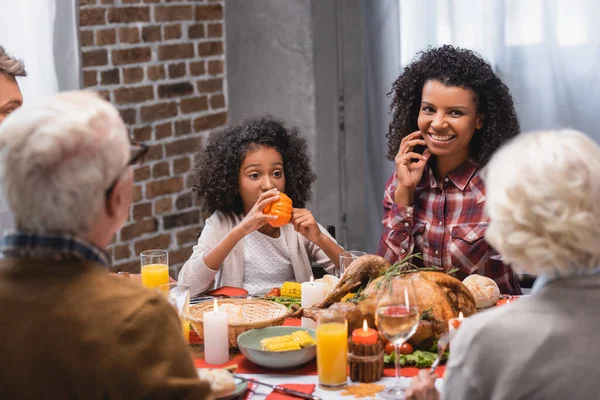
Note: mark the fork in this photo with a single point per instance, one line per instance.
(442, 343)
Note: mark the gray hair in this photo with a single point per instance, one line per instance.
(58, 158)
(543, 200)
(10, 65)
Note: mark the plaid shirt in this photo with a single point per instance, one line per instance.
(21, 244)
(446, 225)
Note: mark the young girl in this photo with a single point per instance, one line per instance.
(449, 103)
(241, 171)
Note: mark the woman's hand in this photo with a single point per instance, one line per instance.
(408, 171)
(255, 218)
(305, 224)
(422, 387)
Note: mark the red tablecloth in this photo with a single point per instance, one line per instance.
(247, 367)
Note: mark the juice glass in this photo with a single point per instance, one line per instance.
(179, 296)
(332, 349)
(155, 268)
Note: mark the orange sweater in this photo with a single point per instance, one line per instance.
(71, 330)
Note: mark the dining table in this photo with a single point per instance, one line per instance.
(302, 375)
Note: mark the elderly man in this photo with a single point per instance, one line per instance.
(68, 328)
(543, 199)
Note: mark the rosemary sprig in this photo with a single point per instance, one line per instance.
(359, 296)
(405, 266)
(427, 315)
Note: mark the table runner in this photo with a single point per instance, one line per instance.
(245, 366)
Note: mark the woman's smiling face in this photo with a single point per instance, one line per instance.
(448, 119)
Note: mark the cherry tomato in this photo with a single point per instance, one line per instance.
(383, 339)
(389, 348)
(406, 348)
(275, 292)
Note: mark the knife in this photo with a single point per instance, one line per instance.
(279, 388)
(202, 299)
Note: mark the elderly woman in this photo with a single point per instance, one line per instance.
(543, 199)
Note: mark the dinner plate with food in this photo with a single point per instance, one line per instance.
(222, 383)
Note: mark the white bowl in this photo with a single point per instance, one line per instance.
(249, 344)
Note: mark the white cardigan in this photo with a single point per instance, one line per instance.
(200, 278)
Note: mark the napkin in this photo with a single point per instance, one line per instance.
(228, 291)
(304, 388)
(250, 390)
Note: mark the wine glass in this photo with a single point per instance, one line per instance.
(397, 317)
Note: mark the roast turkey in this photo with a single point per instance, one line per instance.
(439, 296)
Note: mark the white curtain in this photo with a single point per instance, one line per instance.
(546, 51)
(382, 60)
(42, 33)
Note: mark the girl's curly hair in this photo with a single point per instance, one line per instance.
(454, 67)
(214, 177)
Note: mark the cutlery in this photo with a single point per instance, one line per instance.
(442, 343)
(201, 299)
(279, 388)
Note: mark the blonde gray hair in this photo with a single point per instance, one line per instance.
(543, 200)
(10, 65)
(57, 159)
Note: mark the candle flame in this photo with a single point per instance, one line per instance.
(365, 326)
(460, 316)
(216, 306)
(312, 279)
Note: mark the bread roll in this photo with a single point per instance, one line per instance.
(221, 381)
(484, 290)
(235, 313)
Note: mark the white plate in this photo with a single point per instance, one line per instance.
(240, 388)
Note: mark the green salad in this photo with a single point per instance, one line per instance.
(419, 358)
(286, 301)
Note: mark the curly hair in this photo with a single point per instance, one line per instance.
(214, 177)
(454, 67)
(543, 199)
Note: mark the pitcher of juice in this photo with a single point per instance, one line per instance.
(332, 349)
(155, 268)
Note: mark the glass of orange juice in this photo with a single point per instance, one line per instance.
(155, 268)
(332, 349)
(179, 296)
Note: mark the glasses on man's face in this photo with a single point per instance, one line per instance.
(138, 151)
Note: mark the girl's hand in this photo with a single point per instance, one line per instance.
(255, 218)
(306, 225)
(408, 171)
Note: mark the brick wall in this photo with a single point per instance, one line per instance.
(161, 62)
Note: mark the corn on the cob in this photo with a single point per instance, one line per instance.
(291, 289)
(275, 339)
(283, 346)
(303, 338)
(348, 296)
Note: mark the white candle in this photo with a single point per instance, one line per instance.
(312, 293)
(216, 336)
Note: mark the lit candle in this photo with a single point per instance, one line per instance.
(312, 293)
(506, 300)
(455, 323)
(216, 336)
(365, 335)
